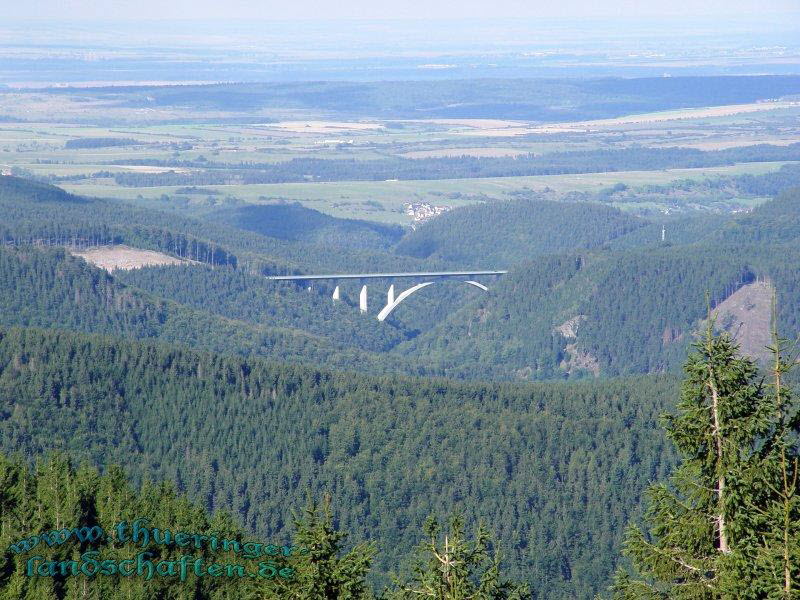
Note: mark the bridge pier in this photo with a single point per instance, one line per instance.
(392, 300)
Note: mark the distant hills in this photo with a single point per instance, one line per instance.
(494, 235)
(246, 393)
(633, 310)
(297, 223)
(29, 207)
(495, 98)
(627, 301)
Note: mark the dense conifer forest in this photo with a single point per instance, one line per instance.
(517, 232)
(390, 301)
(28, 207)
(633, 299)
(537, 463)
(221, 393)
(158, 410)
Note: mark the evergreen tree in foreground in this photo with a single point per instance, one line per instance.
(57, 497)
(457, 568)
(771, 542)
(726, 527)
(324, 572)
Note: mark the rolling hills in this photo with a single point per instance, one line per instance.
(554, 470)
(212, 377)
(591, 291)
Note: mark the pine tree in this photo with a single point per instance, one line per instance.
(699, 529)
(771, 546)
(457, 568)
(323, 571)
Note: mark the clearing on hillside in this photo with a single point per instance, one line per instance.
(125, 257)
(746, 315)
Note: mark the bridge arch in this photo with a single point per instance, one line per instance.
(387, 310)
(478, 285)
(394, 302)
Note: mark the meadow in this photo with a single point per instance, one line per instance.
(385, 201)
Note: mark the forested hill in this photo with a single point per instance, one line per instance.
(590, 292)
(252, 300)
(505, 233)
(600, 314)
(297, 223)
(513, 231)
(28, 208)
(777, 221)
(554, 470)
(612, 312)
(17, 191)
(50, 288)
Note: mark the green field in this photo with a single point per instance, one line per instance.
(347, 199)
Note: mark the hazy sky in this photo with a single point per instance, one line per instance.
(386, 9)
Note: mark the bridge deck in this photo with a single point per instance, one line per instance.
(384, 275)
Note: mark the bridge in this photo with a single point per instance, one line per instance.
(392, 301)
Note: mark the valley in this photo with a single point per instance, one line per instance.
(186, 333)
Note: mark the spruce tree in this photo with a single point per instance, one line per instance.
(699, 525)
(769, 560)
(322, 570)
(457, 568)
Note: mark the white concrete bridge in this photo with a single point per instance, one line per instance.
(392, 300)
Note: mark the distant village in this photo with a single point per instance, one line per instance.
(423, 211)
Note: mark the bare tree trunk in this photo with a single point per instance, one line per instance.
(721, 528)
(787, 495)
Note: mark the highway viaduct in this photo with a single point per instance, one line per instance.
(392, 300)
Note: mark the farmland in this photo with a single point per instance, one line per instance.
(385, 200)
(106, 144)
